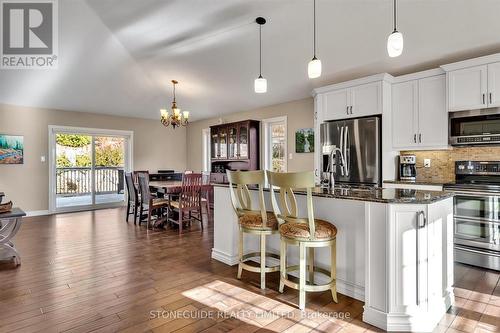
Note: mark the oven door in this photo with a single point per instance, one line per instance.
(477, 221)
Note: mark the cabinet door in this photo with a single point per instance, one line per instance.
(232, 141)
(366, 100)
(410, 258)
(336, 104)
(223, 143)
(404, 131)
(494, 84)
(243, 141)
(432, 114)
(214, 143)
(467, 88)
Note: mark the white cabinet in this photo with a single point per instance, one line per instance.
(337, 104)
(467, 88)
(419, 117)
(474, 87)
(432, 115)
(493, 97)
(358, 101)
(410, 258)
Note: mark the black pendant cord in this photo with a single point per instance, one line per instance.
(395, 14)
(314, 29)
(260, 51)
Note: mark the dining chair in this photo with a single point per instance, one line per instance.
(149, 202)
(253, 219)
(206, 193)
(307, 233)
(133, 197)
(188, 204)
(136, 174)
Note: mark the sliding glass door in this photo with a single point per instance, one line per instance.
(88, 168)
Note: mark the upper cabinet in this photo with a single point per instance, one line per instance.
(473, 84)
(419, 117)
(353, 99)
(468, 88)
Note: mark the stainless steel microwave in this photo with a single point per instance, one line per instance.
(475, 127)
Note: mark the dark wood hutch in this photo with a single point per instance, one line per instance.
(234, 146)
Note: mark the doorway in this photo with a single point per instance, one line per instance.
(87, 168)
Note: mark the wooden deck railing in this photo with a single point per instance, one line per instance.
(78, 180)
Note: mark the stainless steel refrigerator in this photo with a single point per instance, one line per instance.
(359, 140)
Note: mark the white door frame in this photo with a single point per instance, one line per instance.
(128, 165)
(206, 146)
(266, 129)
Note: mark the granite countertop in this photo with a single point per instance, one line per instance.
(418, 182)
(383, 195)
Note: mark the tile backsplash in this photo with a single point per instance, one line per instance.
(442, 167)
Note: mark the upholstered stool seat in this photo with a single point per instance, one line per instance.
(300, 231)
(253, 220)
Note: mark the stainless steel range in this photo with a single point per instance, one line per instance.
(477, 213)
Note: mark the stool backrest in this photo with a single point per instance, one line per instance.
(285, 209)
(240, 194)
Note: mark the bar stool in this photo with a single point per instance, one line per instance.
(255, 222)
(306, 233)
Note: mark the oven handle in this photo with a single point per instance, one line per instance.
(475, 219)
(472, 193)
(490, 253)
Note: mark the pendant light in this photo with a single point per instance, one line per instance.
(260, 84)
(395, 40)
(314, 66)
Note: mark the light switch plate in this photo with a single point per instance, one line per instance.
(290, 156)
(427, 162)
(42, 159)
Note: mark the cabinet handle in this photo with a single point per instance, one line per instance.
(351, 109)
(347, 111)
(420, 224)
(484, 98)
(415, 138)
(491, 99)
(420, 138)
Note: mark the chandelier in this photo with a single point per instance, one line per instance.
(175, 118)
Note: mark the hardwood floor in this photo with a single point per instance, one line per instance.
(91, 271)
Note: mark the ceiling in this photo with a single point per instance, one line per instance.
(118, 56)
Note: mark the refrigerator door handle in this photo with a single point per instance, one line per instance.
(346, 159)
(341, 149)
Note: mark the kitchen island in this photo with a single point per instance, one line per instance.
(394, 249)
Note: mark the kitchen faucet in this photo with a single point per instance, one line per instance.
(332, 171)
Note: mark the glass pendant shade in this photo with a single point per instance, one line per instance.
(395, 44)
(185, 114)
(314, 68)
(260, 85)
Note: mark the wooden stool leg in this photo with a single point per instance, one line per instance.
(240, 253)
(302, 276)
(262, 261)
(310, 266)
(282, 265)
(333, 270)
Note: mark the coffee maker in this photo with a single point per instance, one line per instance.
(407, 168)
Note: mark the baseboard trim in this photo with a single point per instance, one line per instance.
(38, 213)
(224, 257)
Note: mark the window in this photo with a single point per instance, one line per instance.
(275, 144)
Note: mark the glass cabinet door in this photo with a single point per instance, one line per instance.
(233, 137)
(214, 144)
(223, 143)
(243, 141)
